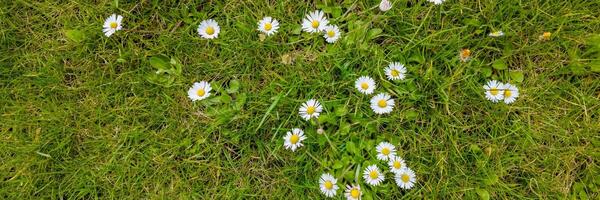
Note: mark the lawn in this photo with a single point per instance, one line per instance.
(85, 116)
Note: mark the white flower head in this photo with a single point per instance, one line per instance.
(494, 91)
(511, 93)
(314, 22)
(365, 85)
(199, 91)
(395, 71)
(396, 164)
(331, 33)
(382, 103)
(209, 29)
(312, 108)
(353, 192)
(385, 151)
(406, 178)
(112, 24)
(464, 55)
(385, 5)
(293, 139)
(436, 2)
(328, 185)
(496, 34)
(373, 175)
(268, 26)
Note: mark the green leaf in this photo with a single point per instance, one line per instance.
(341, 111)
(160, 62)
(499, 64)
(418, 58)
(491, 180)
(411, 114)
(595, 66)
(234, 86)
(483, 194)
(373, 33)
(517, 76)
(75, 35)
(338, 164)
(486, 71)
(351, 147)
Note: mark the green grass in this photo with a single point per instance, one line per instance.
(80, 120)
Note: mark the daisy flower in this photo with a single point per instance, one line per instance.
(465, 55)
(396, 164)
(353, 192)
(406, 178)
(332, 33)
(293, 139)
(493, 91)
(365, 85)
(268, 25)
(436, 2)
(496, 34)
(314, 22)
(385, 5)
(312, 108)
(382, 103)
(385, 151)
(209, 29)
(395, 71)
(328, 185)
(373, 175)
(199, 91)
(112, 24)
(511, 93)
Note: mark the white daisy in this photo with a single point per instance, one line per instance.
(373, 175)
(385, 151)
(395, 71)
(396, 164)
(112, 24)
(465, 55)
(315, 22)
(312, 108)
(332, 33)
(293, 139)
(493, 91)
(436, 2)
(353, 192)
(382, 103)
(385, 5)
(406, 178)
(268, 25)
(199, 91)
(328, 185)
(511, 93)
(496, 34)
(365, 85)
(209, 29)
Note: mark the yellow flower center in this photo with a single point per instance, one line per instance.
(382, 103)
(397, 164)
(494, 91)
(547, 35)
(330, 33)
(507, 93)
(364, 86)
(201, 92)
(113, 25)
(395, 73)
(328, 185)
(210, 30)
(465, 53)
(294, 139)
(268, 26)
(310, 110)
(373, 174)
(384, 151)
(315, 24)
(405, 178)
(354, 193)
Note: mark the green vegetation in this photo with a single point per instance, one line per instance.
(84, 116)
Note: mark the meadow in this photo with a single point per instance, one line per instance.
(85, 116)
